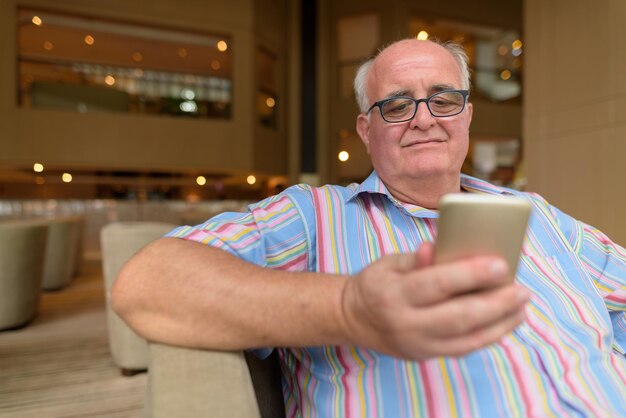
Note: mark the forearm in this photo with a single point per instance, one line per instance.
(184, 293)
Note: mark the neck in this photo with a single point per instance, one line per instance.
(424, 192)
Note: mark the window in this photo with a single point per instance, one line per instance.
(89, 64)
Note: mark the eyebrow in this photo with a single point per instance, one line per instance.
(436, 88)
(398, 93)
(440, 87)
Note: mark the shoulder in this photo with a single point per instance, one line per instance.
(541, 206)
(306, 196)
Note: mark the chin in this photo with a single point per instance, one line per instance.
(431, 169)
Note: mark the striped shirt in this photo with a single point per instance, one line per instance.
(567, 360)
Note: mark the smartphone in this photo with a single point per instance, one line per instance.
(478, 224)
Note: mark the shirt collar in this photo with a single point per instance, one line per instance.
(373, 184)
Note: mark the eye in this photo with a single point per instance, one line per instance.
(440, 101)
(398, 106)
(446, 103)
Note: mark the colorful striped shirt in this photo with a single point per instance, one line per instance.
(568, 359)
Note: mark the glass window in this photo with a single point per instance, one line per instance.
(88, 64)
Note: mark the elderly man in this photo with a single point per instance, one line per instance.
(341, 279)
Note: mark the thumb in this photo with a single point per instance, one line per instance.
(406, 262)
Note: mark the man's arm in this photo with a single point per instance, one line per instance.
(185, 293)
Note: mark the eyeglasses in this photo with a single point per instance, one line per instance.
(440, 105)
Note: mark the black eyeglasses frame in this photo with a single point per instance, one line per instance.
(379, 104)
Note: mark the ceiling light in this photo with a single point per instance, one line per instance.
(37, 20)
(201, 180)
(343, 156)
(38, 167)
(187, 94)
(66, 177)
(89, 40)
(222, 46)
(251, 179)
(109, 80)
(270, 102)
(422, 35)
(48, 46)
(188, 106)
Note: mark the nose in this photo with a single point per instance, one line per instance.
(422, 119)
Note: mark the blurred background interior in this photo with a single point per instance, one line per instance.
(171, 111)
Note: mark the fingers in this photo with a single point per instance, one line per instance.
(480, 310)
(475, 322)
(438, 283)
(477, 339)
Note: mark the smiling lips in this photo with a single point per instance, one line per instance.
(423, 141)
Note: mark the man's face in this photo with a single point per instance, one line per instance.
(425, 145)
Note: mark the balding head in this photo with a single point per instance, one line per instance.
(407, 46)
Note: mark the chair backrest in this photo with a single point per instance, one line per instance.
(22, 254)
(184, 382)
(119, 242)
(61, 251)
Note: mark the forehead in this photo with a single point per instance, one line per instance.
(415, 67)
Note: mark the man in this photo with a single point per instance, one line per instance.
(342, 279)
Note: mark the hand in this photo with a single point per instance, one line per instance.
(403, 305)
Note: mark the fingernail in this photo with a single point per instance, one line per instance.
(498, 267)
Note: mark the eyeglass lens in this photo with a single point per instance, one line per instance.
(441, 104)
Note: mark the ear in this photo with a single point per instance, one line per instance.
(363, 129)
(469, 108)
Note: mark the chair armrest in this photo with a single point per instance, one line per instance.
(185, 382)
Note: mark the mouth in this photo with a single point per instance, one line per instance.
(423, 142)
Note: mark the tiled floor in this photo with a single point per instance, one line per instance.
(59, 365)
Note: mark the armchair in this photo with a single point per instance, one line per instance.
(185, 382)
(22, 253)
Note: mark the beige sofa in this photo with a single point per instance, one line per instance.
(22, 252)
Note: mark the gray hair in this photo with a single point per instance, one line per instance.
(360, 80)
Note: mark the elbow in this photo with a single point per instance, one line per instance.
(137, 294)
(123, 296)
(128, 296)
